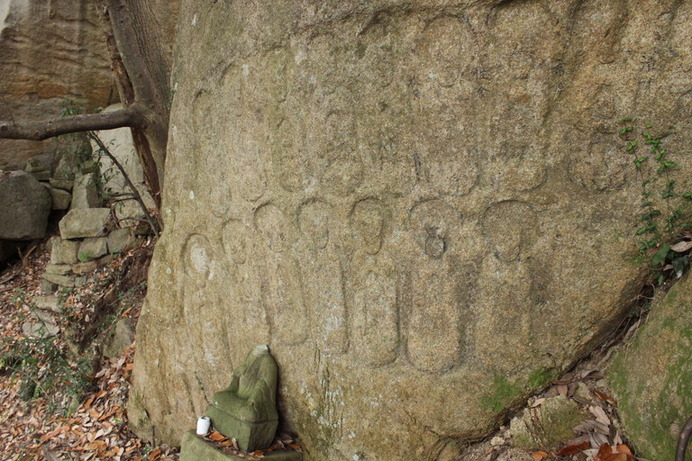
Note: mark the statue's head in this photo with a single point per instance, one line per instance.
(259, 350)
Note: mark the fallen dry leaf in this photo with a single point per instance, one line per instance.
(605, 398)
(600, 415)
(217, 436)
(609, 453)
(573, 449)
(538, 455)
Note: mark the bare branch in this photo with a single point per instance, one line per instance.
(134, 115)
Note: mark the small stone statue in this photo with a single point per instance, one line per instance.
(246, 409)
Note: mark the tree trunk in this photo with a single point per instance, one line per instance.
(140, 46)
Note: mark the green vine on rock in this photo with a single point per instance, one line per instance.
(664, 234)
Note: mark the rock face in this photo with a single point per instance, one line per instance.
(652, 377)
(24, 207)
(51, 51)
(424, 208)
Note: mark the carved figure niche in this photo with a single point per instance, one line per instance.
(282, 293)
(322, 272)
(372, 287)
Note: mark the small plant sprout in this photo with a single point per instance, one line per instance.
(665, 230)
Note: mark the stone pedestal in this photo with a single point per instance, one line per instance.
(195, 448)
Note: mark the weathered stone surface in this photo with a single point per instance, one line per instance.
(58, 269)
(51, 51)
(48, 287)
(63, 251)
(85, 267)
(121, 240)
(92, 248)
(85, 192)
(121, 146)
(58, 279)
(64, 184)
(60, 198)
(652, 377)
(195, 448)
(119, 339)
(40, 329)
(49, 303)
(24, 206)
(547, 425)
(420, 206)
(84, 222)
(43, 175)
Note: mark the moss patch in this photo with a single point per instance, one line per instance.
(541, 377)
(503, 393)
(651, 377)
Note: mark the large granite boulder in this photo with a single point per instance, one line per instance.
(652, 377)
(424, 208)
(24, 206)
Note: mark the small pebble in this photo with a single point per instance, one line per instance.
(497, 441)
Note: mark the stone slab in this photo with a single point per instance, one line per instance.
(64, 184)
(85, 267)
(61, 198)
(51, 303)
(85, 192)
(58, 269)
(121, 240)
(92, 248)
(121, 336)
(62, 280)
(63, 251)
(195, 448)
(40, 329)
(86, 222)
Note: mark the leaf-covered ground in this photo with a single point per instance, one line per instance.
(58, 403)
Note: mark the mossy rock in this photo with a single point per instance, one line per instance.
(652, 377)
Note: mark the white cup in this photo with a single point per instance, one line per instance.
(203, 424)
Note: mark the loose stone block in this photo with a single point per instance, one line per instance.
(51, 303)
(85, 192)
(47, 286)
(546, 425)
(63, 251)
(40, 329)
(92, 248)
(87, 222)
(120, 338)
(43, 175)
(85, 267)
(61, 198)
(62, 280)
(120, 240)
(64, 184)
(58, 269)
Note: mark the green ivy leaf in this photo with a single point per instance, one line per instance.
(660, 256)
